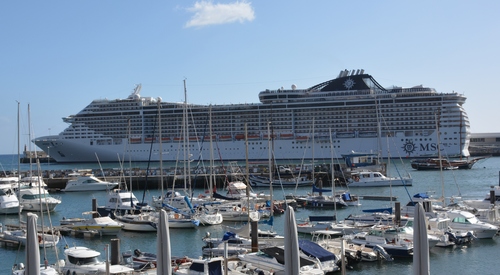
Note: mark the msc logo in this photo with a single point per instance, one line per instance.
(409, 147)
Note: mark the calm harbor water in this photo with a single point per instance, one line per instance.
(479, 257)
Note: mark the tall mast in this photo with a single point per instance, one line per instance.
(187, 170)
(270, 166)
(160, 146)
(211, 181)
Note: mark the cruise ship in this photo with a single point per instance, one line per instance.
(351, 112)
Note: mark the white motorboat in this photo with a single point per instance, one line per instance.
(31, 181)
(315, 223)
(38, 199)
(271, 258)
(440, 227)
(397, 247)
(9, 203)
(140, 222)
(86, 182)
(19, 235)
(235, 212)
(211, 266)
(377, 179)
(82, 260)
(330, 241)
(104, 226)
(464, 220)
(13, 181)
(121, 201)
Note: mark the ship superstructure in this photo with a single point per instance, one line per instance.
(351, 113)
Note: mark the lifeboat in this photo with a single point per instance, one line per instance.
(302, 138)
(286, 136)
(225, 137)
(207, 138)
(253, 137)
(272, 136)
(135, 140)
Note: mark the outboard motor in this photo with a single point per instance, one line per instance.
(382, 253)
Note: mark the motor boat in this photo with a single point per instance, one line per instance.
(376, 236)
(377, 179)
(121, 201)
(37, 198)
(104, 226)
(81, 260)
(86, 182)
(464, 220)
(9, 203)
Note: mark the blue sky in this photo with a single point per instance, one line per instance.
(58, 56)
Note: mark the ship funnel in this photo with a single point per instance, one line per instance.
(357, 71)
(362, 71)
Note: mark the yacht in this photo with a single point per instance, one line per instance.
(465, 220)
(79, 182)
(350, 105)
(82, 260)
(9, 203)
(37, 198)
(377, 179)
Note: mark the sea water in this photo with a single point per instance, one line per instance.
(479, 257)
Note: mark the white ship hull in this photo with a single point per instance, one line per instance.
(81, 150)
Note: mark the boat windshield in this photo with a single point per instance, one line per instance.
(83, 261)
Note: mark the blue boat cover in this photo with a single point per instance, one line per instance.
(315, 250)
(421, 195)
(268, 222)
(228, 235)
(346, 197)
(316, 189)
(322, 218)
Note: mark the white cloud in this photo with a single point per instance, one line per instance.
(207, 13)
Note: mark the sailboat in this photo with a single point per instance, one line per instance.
(121, 201)
(20, 235)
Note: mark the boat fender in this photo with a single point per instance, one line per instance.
(244, 209)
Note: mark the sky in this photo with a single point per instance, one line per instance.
(57, 56)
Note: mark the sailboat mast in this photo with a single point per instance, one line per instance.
(439, 158)
(130, 165)
(160, 145)
(18, 160)
(270, 166)
(211, 179)
(333, 177)
(187, 165)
